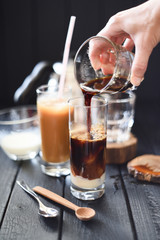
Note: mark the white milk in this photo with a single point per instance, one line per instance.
(86, 183)
(21, 143)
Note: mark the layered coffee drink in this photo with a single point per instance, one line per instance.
(87, 157)
(88, 146)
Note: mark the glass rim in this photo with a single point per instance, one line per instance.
(115, 46)
(44, 88)
(19, 121)
(94, 37)
(104, 100)
(47, 89)
(131, 97)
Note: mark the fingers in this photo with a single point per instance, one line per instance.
(96, 48)
(128, 44)
(99, 53)
(114, 29)
(94, 56)
(140, 63)
(108, 61)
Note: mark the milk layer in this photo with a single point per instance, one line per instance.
(86, 183)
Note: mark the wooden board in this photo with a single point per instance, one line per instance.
(119, 153)
(21, 219)
(9, 170)
(144, 204)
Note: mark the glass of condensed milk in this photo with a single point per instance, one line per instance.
(19, 132)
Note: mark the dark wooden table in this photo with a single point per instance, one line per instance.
(130, 209)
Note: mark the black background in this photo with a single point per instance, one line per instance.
(35, 30)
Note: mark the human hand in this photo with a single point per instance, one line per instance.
(101, 55)
(139, 27)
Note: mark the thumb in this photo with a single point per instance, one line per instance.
(140, 64)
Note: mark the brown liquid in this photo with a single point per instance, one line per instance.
(99, 83)
(88, 96)
(87, 156)
(88, 147)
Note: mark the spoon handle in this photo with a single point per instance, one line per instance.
(26, 188)
(55, 197)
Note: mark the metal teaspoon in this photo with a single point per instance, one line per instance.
(43, 210)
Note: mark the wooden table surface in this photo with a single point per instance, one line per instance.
(130, 209)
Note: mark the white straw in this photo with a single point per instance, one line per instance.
(66, 54)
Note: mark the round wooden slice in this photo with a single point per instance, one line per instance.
(146, 168)
(119, 153)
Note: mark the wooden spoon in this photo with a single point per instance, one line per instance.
(83, 213)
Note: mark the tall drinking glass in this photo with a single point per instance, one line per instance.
(53, 115)
(87, 127)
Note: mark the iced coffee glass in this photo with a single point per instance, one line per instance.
(53, 115)
(87, 127)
